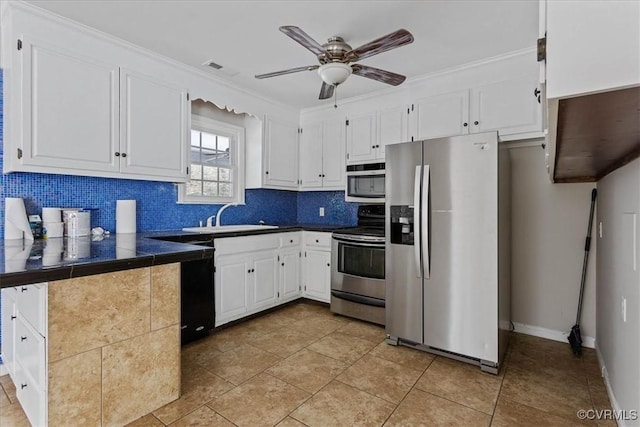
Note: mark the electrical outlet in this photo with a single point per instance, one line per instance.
(321, 212)
(624, 310)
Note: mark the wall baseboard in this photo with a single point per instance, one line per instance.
(612, 397)
(550, 334)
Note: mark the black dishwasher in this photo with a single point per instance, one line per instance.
(197, 298)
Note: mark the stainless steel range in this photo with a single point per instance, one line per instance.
(358, 267)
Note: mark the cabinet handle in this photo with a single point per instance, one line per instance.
(317, 241)
(323, 175)
(319, 175)
(291, 241)
(266, 173)
(23, 386)
(465, 124)
(536, 94)
(328, 265)
(249, 271)
(24, 289)
(117, 154)
(124, 154)
(23, 338)
(253, 270)
(476, 123)
(283, 264)
(13, 317)
(373, 146)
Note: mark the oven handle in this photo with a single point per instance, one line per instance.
(358, 298)
(380, 245)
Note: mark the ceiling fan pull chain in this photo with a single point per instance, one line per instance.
(335, 97)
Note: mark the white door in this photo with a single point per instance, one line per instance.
(69, 109)
(361, 139)
(510, 107)
(281, 158)
(231, 280)
(264, 280)
(154, 121)
(289, 274)
(441, 115)
(317, 273)
(8, 328)
(333, 155)
(311, 156)
(392, 128)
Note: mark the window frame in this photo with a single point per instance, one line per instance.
(236, 135)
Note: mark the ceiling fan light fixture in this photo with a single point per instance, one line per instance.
(334, 73)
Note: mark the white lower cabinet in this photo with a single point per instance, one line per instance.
(254, 273)
(24, 329)
(317, 266)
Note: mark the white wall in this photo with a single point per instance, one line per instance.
(618, 260)
(549, 226)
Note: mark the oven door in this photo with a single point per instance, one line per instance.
(358, 267)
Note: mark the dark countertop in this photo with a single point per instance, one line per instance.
(24, 262)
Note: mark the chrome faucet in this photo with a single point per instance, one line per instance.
(218, 215)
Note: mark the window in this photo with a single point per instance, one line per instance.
(217, 163)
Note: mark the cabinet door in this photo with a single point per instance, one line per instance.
(311, 156)
(441, 115)
(231, 279)
(8, 328)
(69, 109)
(263, 280)
(289, 274)
(509, 107)
(154, 123)
(361, 139)
(333, 155)
(281, 156)
(317, 273)
(392, 128)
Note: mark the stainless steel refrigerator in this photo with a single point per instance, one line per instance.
(447, 247)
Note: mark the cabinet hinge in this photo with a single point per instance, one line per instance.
(187, 96)
(411, 138)
(299, 288)
(347, 156)
(19, 44)
(278, 257)
(19, 153)
(187, 170)
(411, 107)
(408, 110)
(542, 49)
(305, 254)
(278, 294)
(305, 288)
(347, 122)
(299, 254)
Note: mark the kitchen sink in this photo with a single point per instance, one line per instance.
(229, 228)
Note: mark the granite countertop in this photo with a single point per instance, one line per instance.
(23, 262)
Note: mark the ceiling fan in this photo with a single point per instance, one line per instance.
(336, 58)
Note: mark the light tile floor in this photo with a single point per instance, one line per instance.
(302, 365)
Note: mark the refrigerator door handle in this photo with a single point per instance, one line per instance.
(424, 208)
(416, 220)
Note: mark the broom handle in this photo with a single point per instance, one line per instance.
(587, 246)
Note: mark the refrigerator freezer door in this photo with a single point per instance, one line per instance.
(460, 296)
(403, 282)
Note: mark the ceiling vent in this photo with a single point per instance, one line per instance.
(230, 72)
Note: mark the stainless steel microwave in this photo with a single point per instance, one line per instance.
(365, 183)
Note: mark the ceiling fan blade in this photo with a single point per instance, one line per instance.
(304, 39)
(379, 45)
(326, 91)
(289, 71)
(378, 74)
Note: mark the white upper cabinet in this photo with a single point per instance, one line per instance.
(154, 126)
(322, 155)
(281, 154)
(362, 141)
(367, 135)
(69, 110)
(440, 115)
(592, 46)
(510, 107)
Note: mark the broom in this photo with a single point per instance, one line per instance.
(574, 336)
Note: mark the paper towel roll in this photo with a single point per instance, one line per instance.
(51, 215)
(16, 223)
(125, 216)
